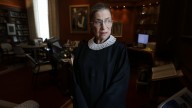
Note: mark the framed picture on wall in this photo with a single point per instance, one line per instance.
(11, 29)
(79, 18)
(117, 29)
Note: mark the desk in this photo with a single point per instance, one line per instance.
(65, 77)
(63, 74)
(34, 48)
(140, 56)
(142, 50)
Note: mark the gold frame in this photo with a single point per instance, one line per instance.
(79, 18)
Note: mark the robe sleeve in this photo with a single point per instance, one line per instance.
(79, 100)
(78, 97)
(115, 95)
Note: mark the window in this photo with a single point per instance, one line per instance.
(41, 18)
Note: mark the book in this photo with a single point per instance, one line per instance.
(165, 71)
(181, 99)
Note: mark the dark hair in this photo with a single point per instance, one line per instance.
(97, 7)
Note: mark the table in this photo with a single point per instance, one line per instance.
(34, 48)
(140, 56)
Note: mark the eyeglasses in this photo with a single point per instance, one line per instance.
(99, 23)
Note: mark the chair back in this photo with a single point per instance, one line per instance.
(32, 61)
(7, 47)
(18, 50)
(38, 67)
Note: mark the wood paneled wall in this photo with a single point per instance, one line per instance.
(13, 3)
(128, 23)
(171, 42)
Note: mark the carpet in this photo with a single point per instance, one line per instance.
(6, 69)
(16, 86)
(2, 68)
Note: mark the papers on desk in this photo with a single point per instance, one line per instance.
(182, 99)
(165, 71)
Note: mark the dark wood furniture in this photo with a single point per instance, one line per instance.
(13, 24)
(147, 13)
(141, 57)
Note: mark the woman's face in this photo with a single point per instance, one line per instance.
(102, 24)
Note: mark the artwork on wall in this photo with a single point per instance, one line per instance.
(117, 29)
(79, 18)
(11, 29)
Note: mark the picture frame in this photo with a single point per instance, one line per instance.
(11, 29)
(117, 29)
(79, 18)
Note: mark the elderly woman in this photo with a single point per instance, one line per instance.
(101, 66)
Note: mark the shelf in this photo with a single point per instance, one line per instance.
(147, 18)
(16, 17)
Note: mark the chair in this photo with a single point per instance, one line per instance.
(39, 67)
(143, 79)
(7, 48)
(7, 51)
(19, 53)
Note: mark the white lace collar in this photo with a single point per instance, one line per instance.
(92, 45)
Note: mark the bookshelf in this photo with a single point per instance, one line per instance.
(13, 25)
(147, 17)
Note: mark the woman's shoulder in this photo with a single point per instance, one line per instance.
(82, 44)
(120, 45)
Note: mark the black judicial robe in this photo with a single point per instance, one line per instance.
(101, 76)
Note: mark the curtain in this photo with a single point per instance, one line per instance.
(53, 18)
(41, 18)
(31, 19)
